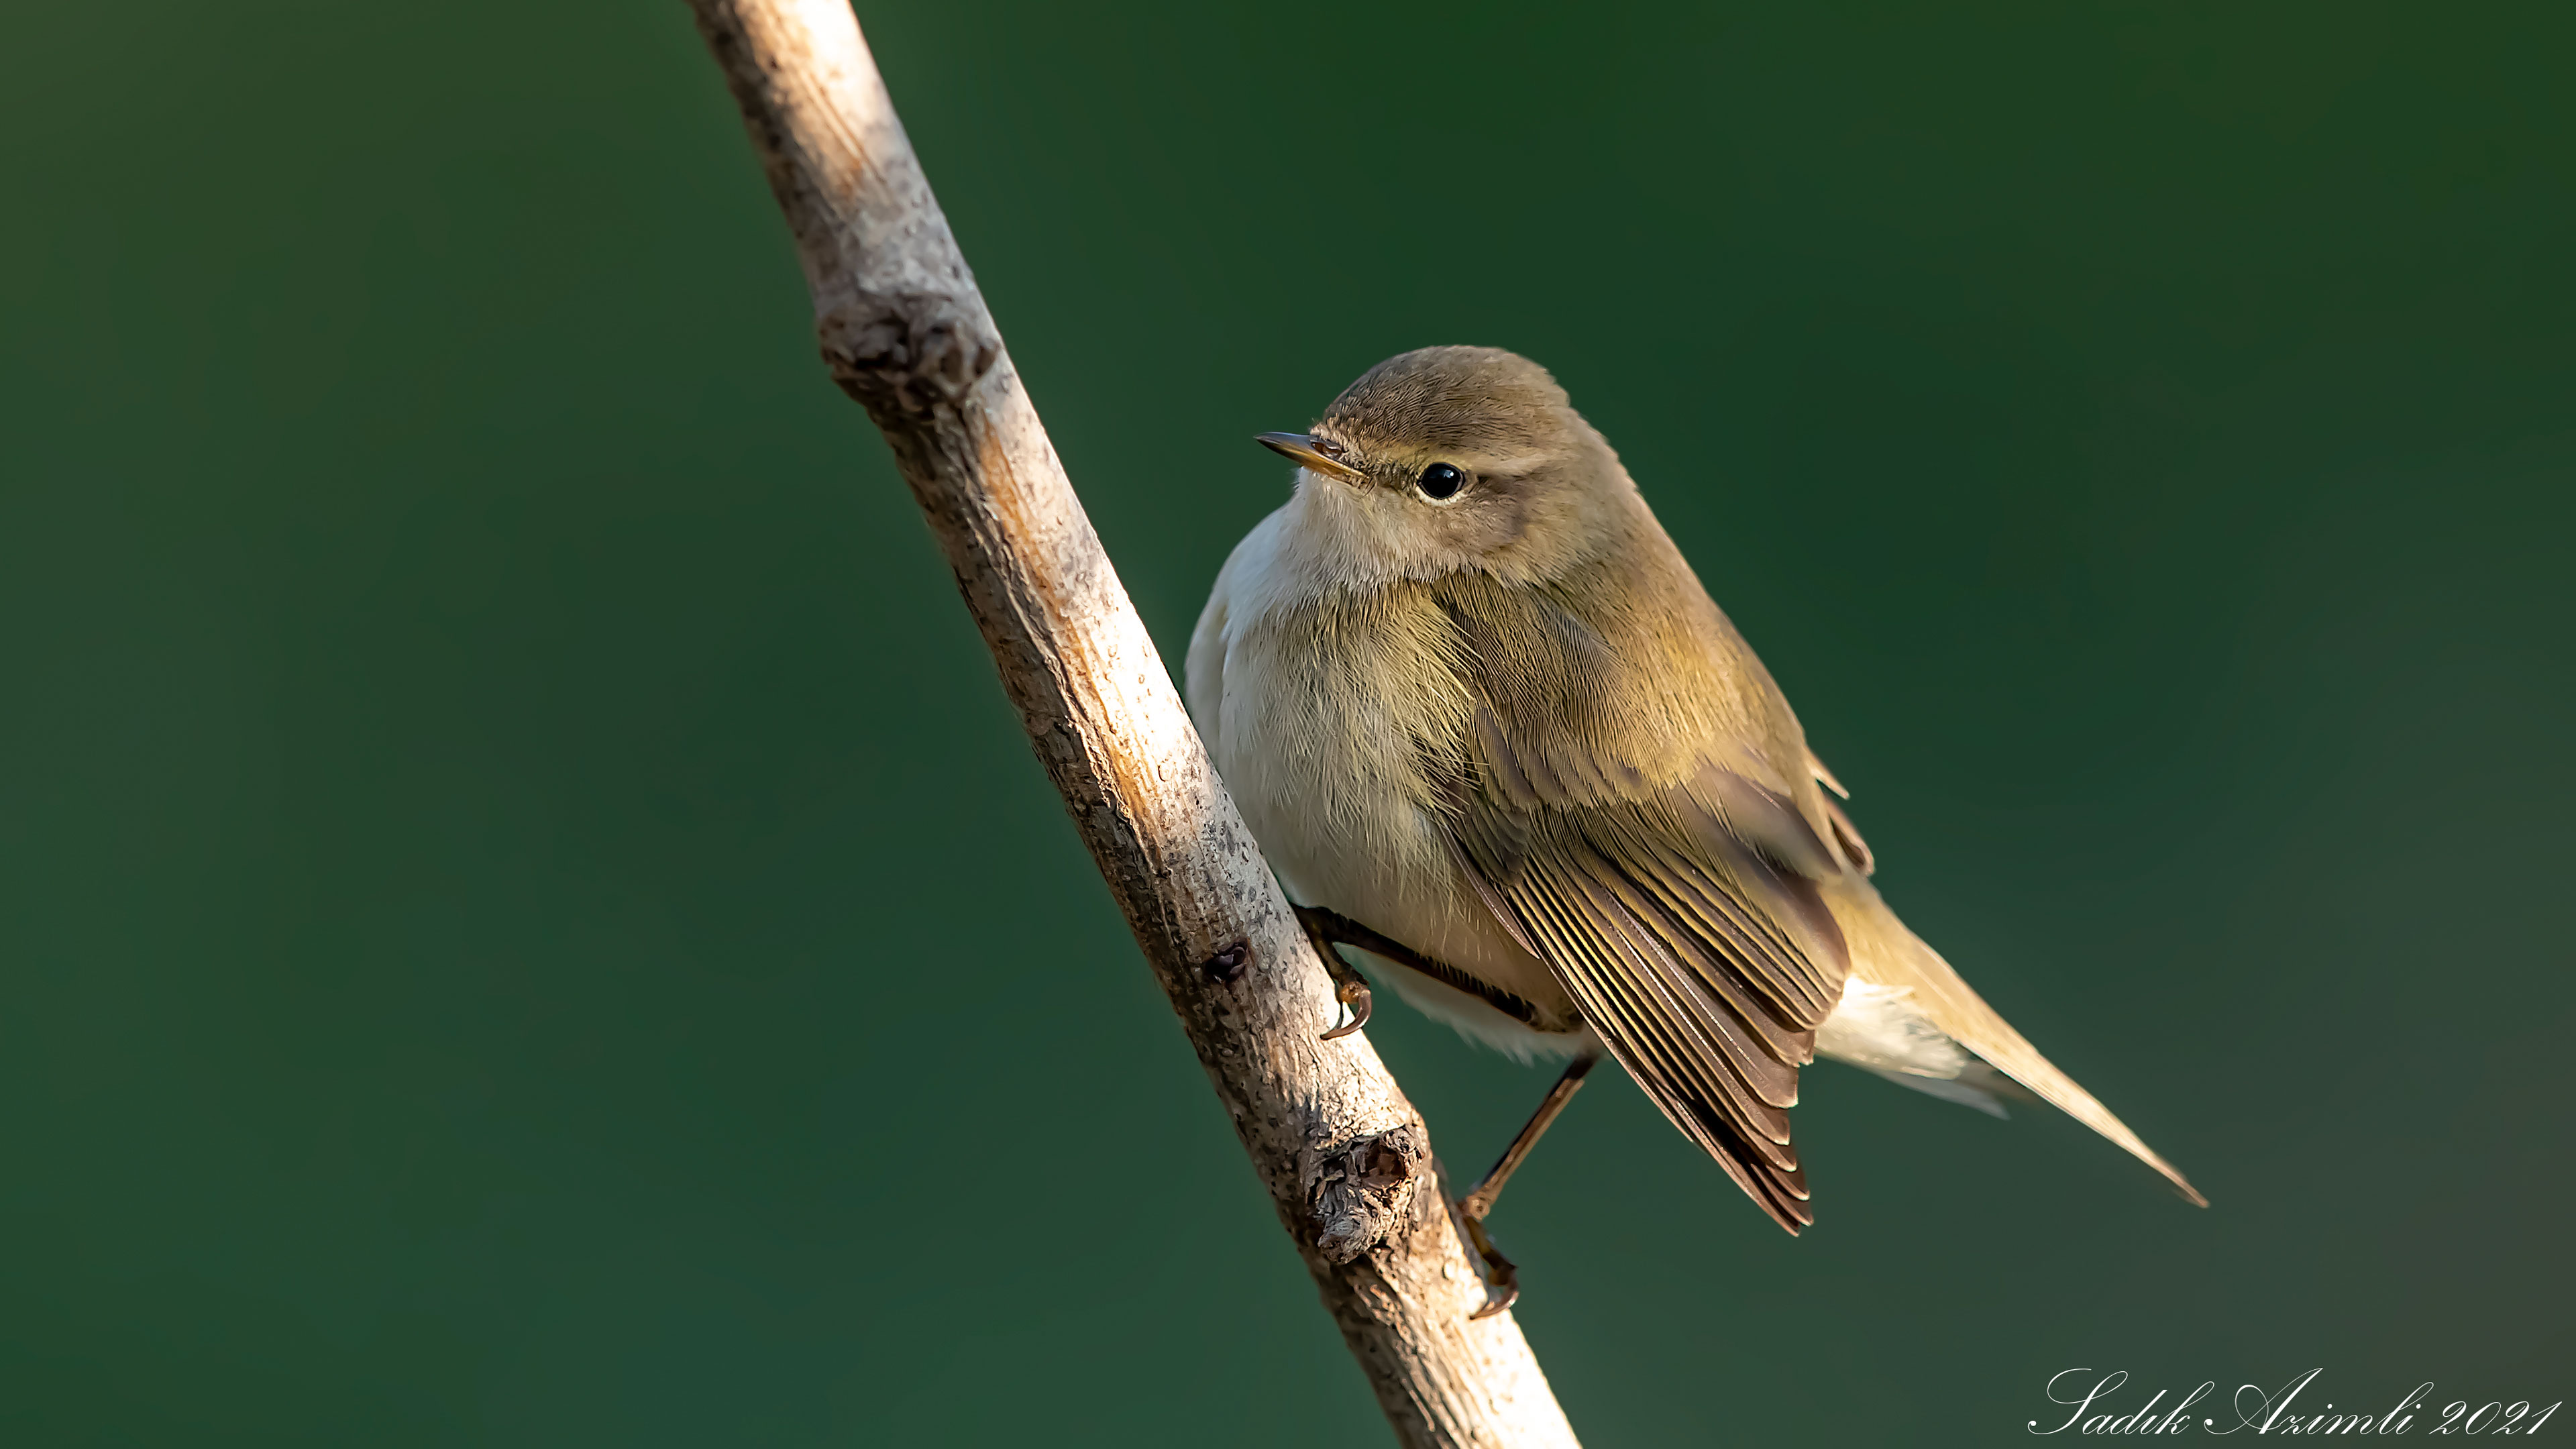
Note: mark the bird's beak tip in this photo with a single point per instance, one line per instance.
(1315, 455)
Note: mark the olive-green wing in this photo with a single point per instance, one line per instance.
(1704, 966)
(1674, 896)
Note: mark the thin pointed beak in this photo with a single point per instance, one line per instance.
(1316, 455)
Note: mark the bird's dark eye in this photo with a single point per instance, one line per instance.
(1439, 481)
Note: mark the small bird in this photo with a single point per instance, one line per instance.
(1500, 744)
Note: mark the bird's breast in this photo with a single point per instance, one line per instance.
(1332, 714)
(1339, 719)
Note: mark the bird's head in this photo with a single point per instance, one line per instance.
(1456, 458)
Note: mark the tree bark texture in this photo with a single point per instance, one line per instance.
(905, 332)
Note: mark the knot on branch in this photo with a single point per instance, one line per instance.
(1361, 1192)
(1226, 967)
(906, 354)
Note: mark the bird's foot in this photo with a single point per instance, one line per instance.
(1502, 1276)
(1502, 1280)
(1350, 988)
(1355, 995)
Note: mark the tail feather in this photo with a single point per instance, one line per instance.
(1885, 953)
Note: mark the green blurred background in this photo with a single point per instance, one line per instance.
(526, 919)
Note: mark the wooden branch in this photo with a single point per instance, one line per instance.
(906, 333)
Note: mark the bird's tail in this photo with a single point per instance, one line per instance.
(1885, 953)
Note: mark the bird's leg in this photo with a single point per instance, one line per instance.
(1503, 1279)
(1327, 928)
(1478, 1203)
(1324, 930)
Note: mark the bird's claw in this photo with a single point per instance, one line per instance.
(1350, 988)
(1502, 1276)
(1355, 995)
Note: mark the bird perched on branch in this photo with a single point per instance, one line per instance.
(1499, 743)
